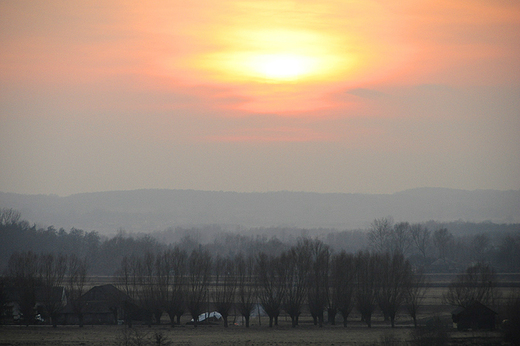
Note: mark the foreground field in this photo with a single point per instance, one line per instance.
(217, 335)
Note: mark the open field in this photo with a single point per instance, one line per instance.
(259, 334)
(218, 335)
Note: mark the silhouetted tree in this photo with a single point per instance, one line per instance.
(297, 264)
(225, 286)
(421, 237)
(246, 286)
(76, 284)
(342, 286)
(367, 280)
(395, 276)
(51, 272)
(199, 270)
(318, 278)
(441, 240)
(22, 270)
(380, 233)
(479, 283)
(270, 273)
(177, 261)
(415, 292)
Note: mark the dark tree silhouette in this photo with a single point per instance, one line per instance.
(176, 260)
(318, 278)
(479, 283)
(270, 273)
(395, 275)
(225, 286)
(342, 286)
(246, 286)
(199, 270)
(22, 271)
(76, 283)
(415, 293)
(367, 280)
(296, 262)
(51, 271)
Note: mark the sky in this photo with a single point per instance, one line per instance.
(353, 96)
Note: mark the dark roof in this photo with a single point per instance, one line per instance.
(473, 306)
(105, 293)
(101, 299)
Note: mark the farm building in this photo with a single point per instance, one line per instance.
(100, 305)
(474, 316)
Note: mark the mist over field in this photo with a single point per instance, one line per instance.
(152, 210)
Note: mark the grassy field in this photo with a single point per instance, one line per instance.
(259, 334)
(357, 333)
(217, 335)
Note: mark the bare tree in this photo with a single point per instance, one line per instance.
(401, 238)
(318, 278)
(22, 270)
(385, 236)
(51, 272)
(442, 239)
(76, 284)
(176, 260)
(149, 292)
(479, 283)
(246, 288)
(9, 217)
(342, 287)
(199, 270)
(225, 286)
(395, 274)
(421, 237)
(380, 234)
(367, 285)
(270, 273)
(127, 277)
(415, 292)
(297, 264)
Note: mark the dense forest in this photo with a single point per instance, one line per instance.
(432, 246)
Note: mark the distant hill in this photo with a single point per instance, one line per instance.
(151, 210)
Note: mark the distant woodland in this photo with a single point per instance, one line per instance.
(431, 246)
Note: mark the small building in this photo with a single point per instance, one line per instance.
(474, 316)
(100, 305)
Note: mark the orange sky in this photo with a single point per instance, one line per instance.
(266, 95)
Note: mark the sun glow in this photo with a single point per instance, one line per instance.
(282, 67)
(275, 56)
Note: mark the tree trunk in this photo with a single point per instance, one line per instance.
(331, 316)
(80, 317)
(225, 317)
(247, 321)
(271, 318)
(171, 315)
(158, 315)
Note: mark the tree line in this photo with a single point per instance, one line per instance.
(423, 244)
(308, 276)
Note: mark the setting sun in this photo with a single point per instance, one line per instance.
(282, 66)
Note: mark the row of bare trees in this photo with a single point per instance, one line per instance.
(45, 282)
(306, 276)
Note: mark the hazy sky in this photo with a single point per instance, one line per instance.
(325, 96)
